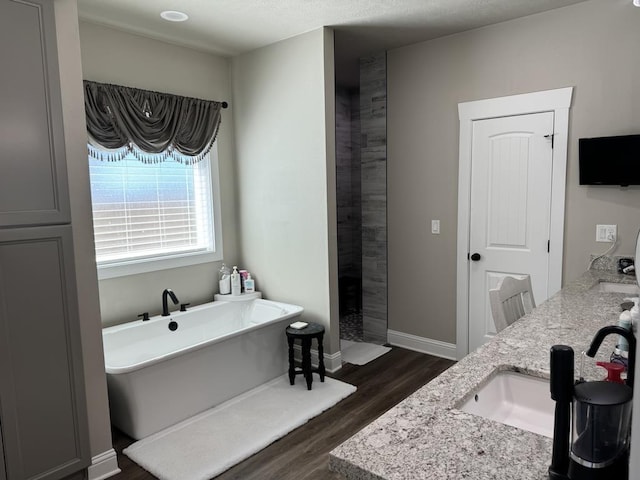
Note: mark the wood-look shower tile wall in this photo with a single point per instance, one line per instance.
(373, 151)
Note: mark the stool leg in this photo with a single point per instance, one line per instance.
(306, 361)
(321, 370)
(292, 364)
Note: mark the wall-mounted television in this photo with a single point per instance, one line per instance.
(610, 160)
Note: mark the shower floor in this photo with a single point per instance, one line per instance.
(351, 326)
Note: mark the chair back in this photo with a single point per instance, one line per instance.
(511, 299)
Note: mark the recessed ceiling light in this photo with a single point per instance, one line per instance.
(636, 3)
(174, 16)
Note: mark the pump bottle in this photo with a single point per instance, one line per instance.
(236, 284)
(635, 314)
(249, 284)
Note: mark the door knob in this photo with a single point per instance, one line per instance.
(475, 257)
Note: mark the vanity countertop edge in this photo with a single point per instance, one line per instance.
(426, 437)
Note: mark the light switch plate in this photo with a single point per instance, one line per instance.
(435, 227)
(606, 233)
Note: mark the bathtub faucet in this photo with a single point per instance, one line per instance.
(165, 307)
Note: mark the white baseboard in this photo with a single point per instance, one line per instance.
(103, 465)
(332, 363)
(422, 345)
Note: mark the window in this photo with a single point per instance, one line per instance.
(152, 216)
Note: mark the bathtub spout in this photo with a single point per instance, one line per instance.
(165, 306)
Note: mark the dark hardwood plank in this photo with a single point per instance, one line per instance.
(303, 454)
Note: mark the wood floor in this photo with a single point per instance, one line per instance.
(303, 453)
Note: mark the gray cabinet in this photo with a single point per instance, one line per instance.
(33, 184)
(43, 405)
(43, 410)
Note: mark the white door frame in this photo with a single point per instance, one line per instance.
(557, 101)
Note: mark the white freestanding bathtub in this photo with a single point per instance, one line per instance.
(157, 377)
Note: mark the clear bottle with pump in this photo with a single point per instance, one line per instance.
(625, 322)
(224, 280)
(620, 354)
(635, 314)
(249, 284)
(236, 283)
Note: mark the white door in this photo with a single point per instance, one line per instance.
(510, 200)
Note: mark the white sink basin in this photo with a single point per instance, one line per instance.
(514, 399)
(611, 287)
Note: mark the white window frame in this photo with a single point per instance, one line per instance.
(147, 265)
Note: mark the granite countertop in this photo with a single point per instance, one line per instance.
(427, 437)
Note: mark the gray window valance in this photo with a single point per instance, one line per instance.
(124, 120)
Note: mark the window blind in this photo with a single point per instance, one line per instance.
(142, 211)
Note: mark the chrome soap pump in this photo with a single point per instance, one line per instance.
(600, 423)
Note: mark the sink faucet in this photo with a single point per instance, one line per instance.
(615, 329)
(165, 308)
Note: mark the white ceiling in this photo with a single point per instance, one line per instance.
(231, 27)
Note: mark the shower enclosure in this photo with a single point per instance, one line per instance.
(361, 161)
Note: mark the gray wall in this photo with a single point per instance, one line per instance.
(113, 56)
(285, 121)
(591, 46)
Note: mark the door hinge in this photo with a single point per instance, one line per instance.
(552, 136)
(548, 246)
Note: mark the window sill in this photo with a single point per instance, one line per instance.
(153, 265)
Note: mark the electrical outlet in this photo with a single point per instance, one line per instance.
(606, 233)
(435, 227)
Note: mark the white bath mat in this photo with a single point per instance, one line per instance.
(360, 353)
(206, 445)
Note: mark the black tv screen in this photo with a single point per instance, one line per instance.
(610, 160)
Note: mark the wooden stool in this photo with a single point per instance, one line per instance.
(305, 335)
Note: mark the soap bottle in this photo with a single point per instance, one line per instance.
(635, 314)
(249, 284)
(236, 284)
(224, 278)
(621, 352)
